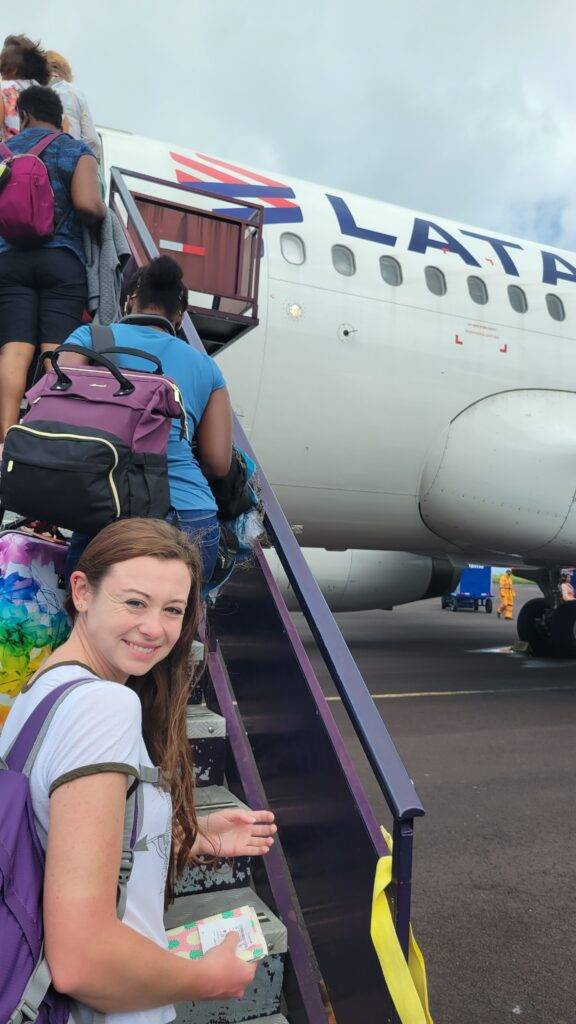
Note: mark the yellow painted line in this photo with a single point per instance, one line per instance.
(467, 693)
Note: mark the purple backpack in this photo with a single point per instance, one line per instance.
(25, 983)
(26, 196)
(92, 447)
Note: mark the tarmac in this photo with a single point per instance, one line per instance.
(489, 738)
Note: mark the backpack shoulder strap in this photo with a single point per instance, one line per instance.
(43, 144)
(22, 753)
(103, 339)
(132, 827)
(34, 994)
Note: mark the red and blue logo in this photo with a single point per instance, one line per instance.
(226, 179)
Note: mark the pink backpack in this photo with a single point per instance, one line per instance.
(26, 196)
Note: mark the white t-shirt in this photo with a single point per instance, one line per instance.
(98, 728)
(80, 123)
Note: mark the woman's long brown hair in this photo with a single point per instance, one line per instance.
(165, 689)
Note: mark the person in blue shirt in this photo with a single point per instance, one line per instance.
(43, 290)
(157, 301)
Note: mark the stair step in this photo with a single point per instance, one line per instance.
(262, 997)
(201, 723)
(192, 908)
(197, 654)
(276, 1018)
(224, 874)
(206, 732)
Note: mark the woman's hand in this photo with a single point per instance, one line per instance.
(235, 833)
(223, 974)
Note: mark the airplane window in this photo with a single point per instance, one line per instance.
(391, 270)
(292, 248)
(478, 290)
(435, 280)
(555, 307)
(518, 299)
(343, 260)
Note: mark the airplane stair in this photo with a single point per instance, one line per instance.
(263, 735)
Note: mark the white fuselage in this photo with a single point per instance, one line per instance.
(351, 387)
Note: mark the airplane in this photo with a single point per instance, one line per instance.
(410, 389)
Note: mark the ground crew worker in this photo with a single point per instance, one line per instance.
(566, 588)
(507, 595)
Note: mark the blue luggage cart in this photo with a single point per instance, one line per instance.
(474, 590)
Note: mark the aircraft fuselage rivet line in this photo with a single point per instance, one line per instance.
(467, 693)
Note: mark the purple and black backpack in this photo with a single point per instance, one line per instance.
(26, 994)
(92, 446)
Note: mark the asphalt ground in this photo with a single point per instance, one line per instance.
(489, 738)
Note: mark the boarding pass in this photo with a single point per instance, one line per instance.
(193, 940)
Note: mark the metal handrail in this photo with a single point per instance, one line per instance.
(397, 787)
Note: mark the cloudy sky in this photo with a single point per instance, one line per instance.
(456, 107)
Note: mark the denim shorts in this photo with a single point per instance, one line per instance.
(204, 529)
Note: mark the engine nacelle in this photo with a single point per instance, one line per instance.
(500, 479)
(354, 581)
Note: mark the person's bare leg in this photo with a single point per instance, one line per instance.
(15, 360)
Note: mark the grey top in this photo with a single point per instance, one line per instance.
(104, 264)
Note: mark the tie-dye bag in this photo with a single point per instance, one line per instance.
(32, 617)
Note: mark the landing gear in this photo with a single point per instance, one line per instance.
(562, 630)
(533, 627)
(547, 624)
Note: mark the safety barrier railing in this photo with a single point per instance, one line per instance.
(387, 766)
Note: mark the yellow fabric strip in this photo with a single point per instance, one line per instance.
(406, 981)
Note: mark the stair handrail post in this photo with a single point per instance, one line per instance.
(403, 841)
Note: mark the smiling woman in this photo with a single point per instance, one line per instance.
(134, 617)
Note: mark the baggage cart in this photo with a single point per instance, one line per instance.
(474, 590)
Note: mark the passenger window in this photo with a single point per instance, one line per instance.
(435, 280)
(478, 290)
(343, 260)
(391, 270)
(517, 298)
(555, 307)
(292, 248)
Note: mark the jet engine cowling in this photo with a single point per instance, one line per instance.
(501, 478)
(355, 580)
